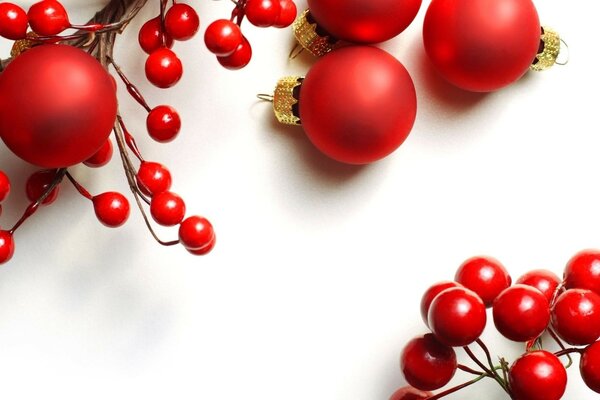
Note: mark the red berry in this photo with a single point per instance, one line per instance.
(196, 233)
(543, 280)
(428, 364)
(222, 37)
(583, 271)
(163, 123)
(410, 393)
(102, 156)
(239, 58)
(7, 246)
(589, 366)
(263, 13)
(576, 316)
(287, 15)
(153, 178)
(181, 22)
(430, 294)
(38, 183)
(537, 375)
(48, 18)
(457, 316)
(167, 208)
(4, 186)
(521, 313)
(152, 37)
(112, 209)
(204, 250)
(485, 276)
(13, 21)
(163, 68)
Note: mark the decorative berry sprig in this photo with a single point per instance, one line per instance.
(539, 306)
(87, 109)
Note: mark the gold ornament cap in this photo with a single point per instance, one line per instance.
(548, 51)
(19, 46)
(285, 100)
(311, 36)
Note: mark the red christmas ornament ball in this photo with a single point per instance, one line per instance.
(481, 45)
(357, 104)
(57, 106)
(360, 21)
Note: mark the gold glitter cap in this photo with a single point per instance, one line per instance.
(285, 100)
(548, 51)
(311, 37)
(19, 46)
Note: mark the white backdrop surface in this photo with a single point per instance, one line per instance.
(314, 286)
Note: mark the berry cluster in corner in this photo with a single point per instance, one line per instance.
(539, 307)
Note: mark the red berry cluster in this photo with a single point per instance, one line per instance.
(539, 306)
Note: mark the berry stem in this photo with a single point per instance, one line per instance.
(458, 387)
(131, 88)
(130, 140)
(469, 370)
(488, 356)
(561, 345)
(489, 372)
(83, 191)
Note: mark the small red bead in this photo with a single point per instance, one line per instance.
(428, 364)
(583, 271)
(7, 246)
(153, 178)
(206, 249)
(48, 18)
(410, 393)
(182, 22)
(589, 366)
(151, 36)
(222, 37)
(430, 294)
(263, 13)
(576, 316)
(287, 15)
(485, 276)
(537, 375)
(112, 209)
(163, 123)
(239, 58)
(196, 233)
(38, 183)
(4, 186)
(167, 208)
(163, 68)
(13, 21)
(102, 156)
(543, 280)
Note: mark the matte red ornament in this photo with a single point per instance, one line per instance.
(357, 104)
(58, 115)
(481, 45)
(360, 21)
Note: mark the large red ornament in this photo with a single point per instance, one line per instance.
(57, 106)
(481, 45)
(356, 104)
(361, 21)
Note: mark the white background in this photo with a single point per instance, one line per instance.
(315, 283)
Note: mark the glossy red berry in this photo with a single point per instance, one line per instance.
(163, 123)
(167, 208)
(576, 316)
(240, 58)
(543, 280)
(153, 178)
(428, 364)
(4, 186)
(206, 249)
(485, 276)
(521, 313)
(457, 316)
(430, 294)
(583, 271)
(112, 209)
(48, 18)
(151, 36)
(102, 156)
(287, 14)
(589, 366)
(410, 393)
(222, 37)
(163, 68)
(182, 22)
(263, 13)
(13, 21)
(7, 246)
(38, 183)
(537, 375)
(196, 233)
